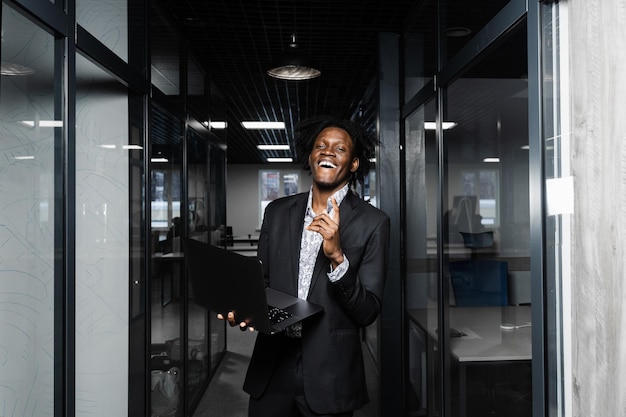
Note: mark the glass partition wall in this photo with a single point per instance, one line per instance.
(468, 279)
(32, 199)
(186, 199)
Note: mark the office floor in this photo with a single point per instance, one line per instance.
(224, 396)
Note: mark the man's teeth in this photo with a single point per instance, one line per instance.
(325, 164)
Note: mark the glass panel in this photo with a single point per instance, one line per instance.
(463, 19)
(486, 223)
(420, 46)
(422, 284)
(165, 56)
(167, 263)
(197, 219)
(27, 214)
(102, 241)
(107, 21)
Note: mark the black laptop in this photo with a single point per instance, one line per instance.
(223, 281)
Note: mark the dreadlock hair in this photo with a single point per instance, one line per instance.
(306, 133)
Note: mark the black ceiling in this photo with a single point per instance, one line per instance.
(234, 41)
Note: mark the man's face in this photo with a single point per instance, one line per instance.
(332, 159)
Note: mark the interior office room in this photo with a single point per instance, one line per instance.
(501, 166)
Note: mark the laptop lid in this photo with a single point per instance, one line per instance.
(223, 281)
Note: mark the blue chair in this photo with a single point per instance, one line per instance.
(479, 282)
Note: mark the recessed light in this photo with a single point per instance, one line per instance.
(263, 125)
(217, 125)
(279, 159)
(444, 125)
(491, 159)
(273, 147)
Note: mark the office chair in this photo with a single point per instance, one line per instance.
(479, 282)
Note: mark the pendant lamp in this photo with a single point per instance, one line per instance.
(293, 64)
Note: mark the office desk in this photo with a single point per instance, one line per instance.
(251, 239)
(485, 342)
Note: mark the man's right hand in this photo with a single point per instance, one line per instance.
(231, 320)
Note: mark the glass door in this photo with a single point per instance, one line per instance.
(486, 224)
(197, 206)
(166, 186)
(422, 282)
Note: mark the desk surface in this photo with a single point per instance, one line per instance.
(484, 339)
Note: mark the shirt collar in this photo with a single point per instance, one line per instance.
(338, 196)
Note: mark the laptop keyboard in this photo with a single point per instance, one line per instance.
(277, 315)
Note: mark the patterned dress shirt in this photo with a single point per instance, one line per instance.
(309, 248)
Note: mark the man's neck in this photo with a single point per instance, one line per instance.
(320, 198)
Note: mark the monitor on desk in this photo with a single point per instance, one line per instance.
(479, 282)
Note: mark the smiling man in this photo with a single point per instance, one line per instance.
(330, 247)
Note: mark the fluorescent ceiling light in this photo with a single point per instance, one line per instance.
(279, 159)
(263, 125)
(444, 125)
(24, 158)
(43, 123)
(492, 159)
(127, 147)
(159, 159)
(217, 125)
(273, 147)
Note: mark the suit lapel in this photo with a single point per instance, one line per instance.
(295, 221)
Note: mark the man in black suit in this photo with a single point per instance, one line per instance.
(330, 247)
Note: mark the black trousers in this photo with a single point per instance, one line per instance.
(284, 396)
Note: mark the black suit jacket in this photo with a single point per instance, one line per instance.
(332, 360)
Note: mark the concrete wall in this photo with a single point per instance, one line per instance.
(597, 37)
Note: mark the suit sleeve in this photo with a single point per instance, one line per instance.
(360, 290)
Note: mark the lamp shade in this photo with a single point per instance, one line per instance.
(293, 64)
